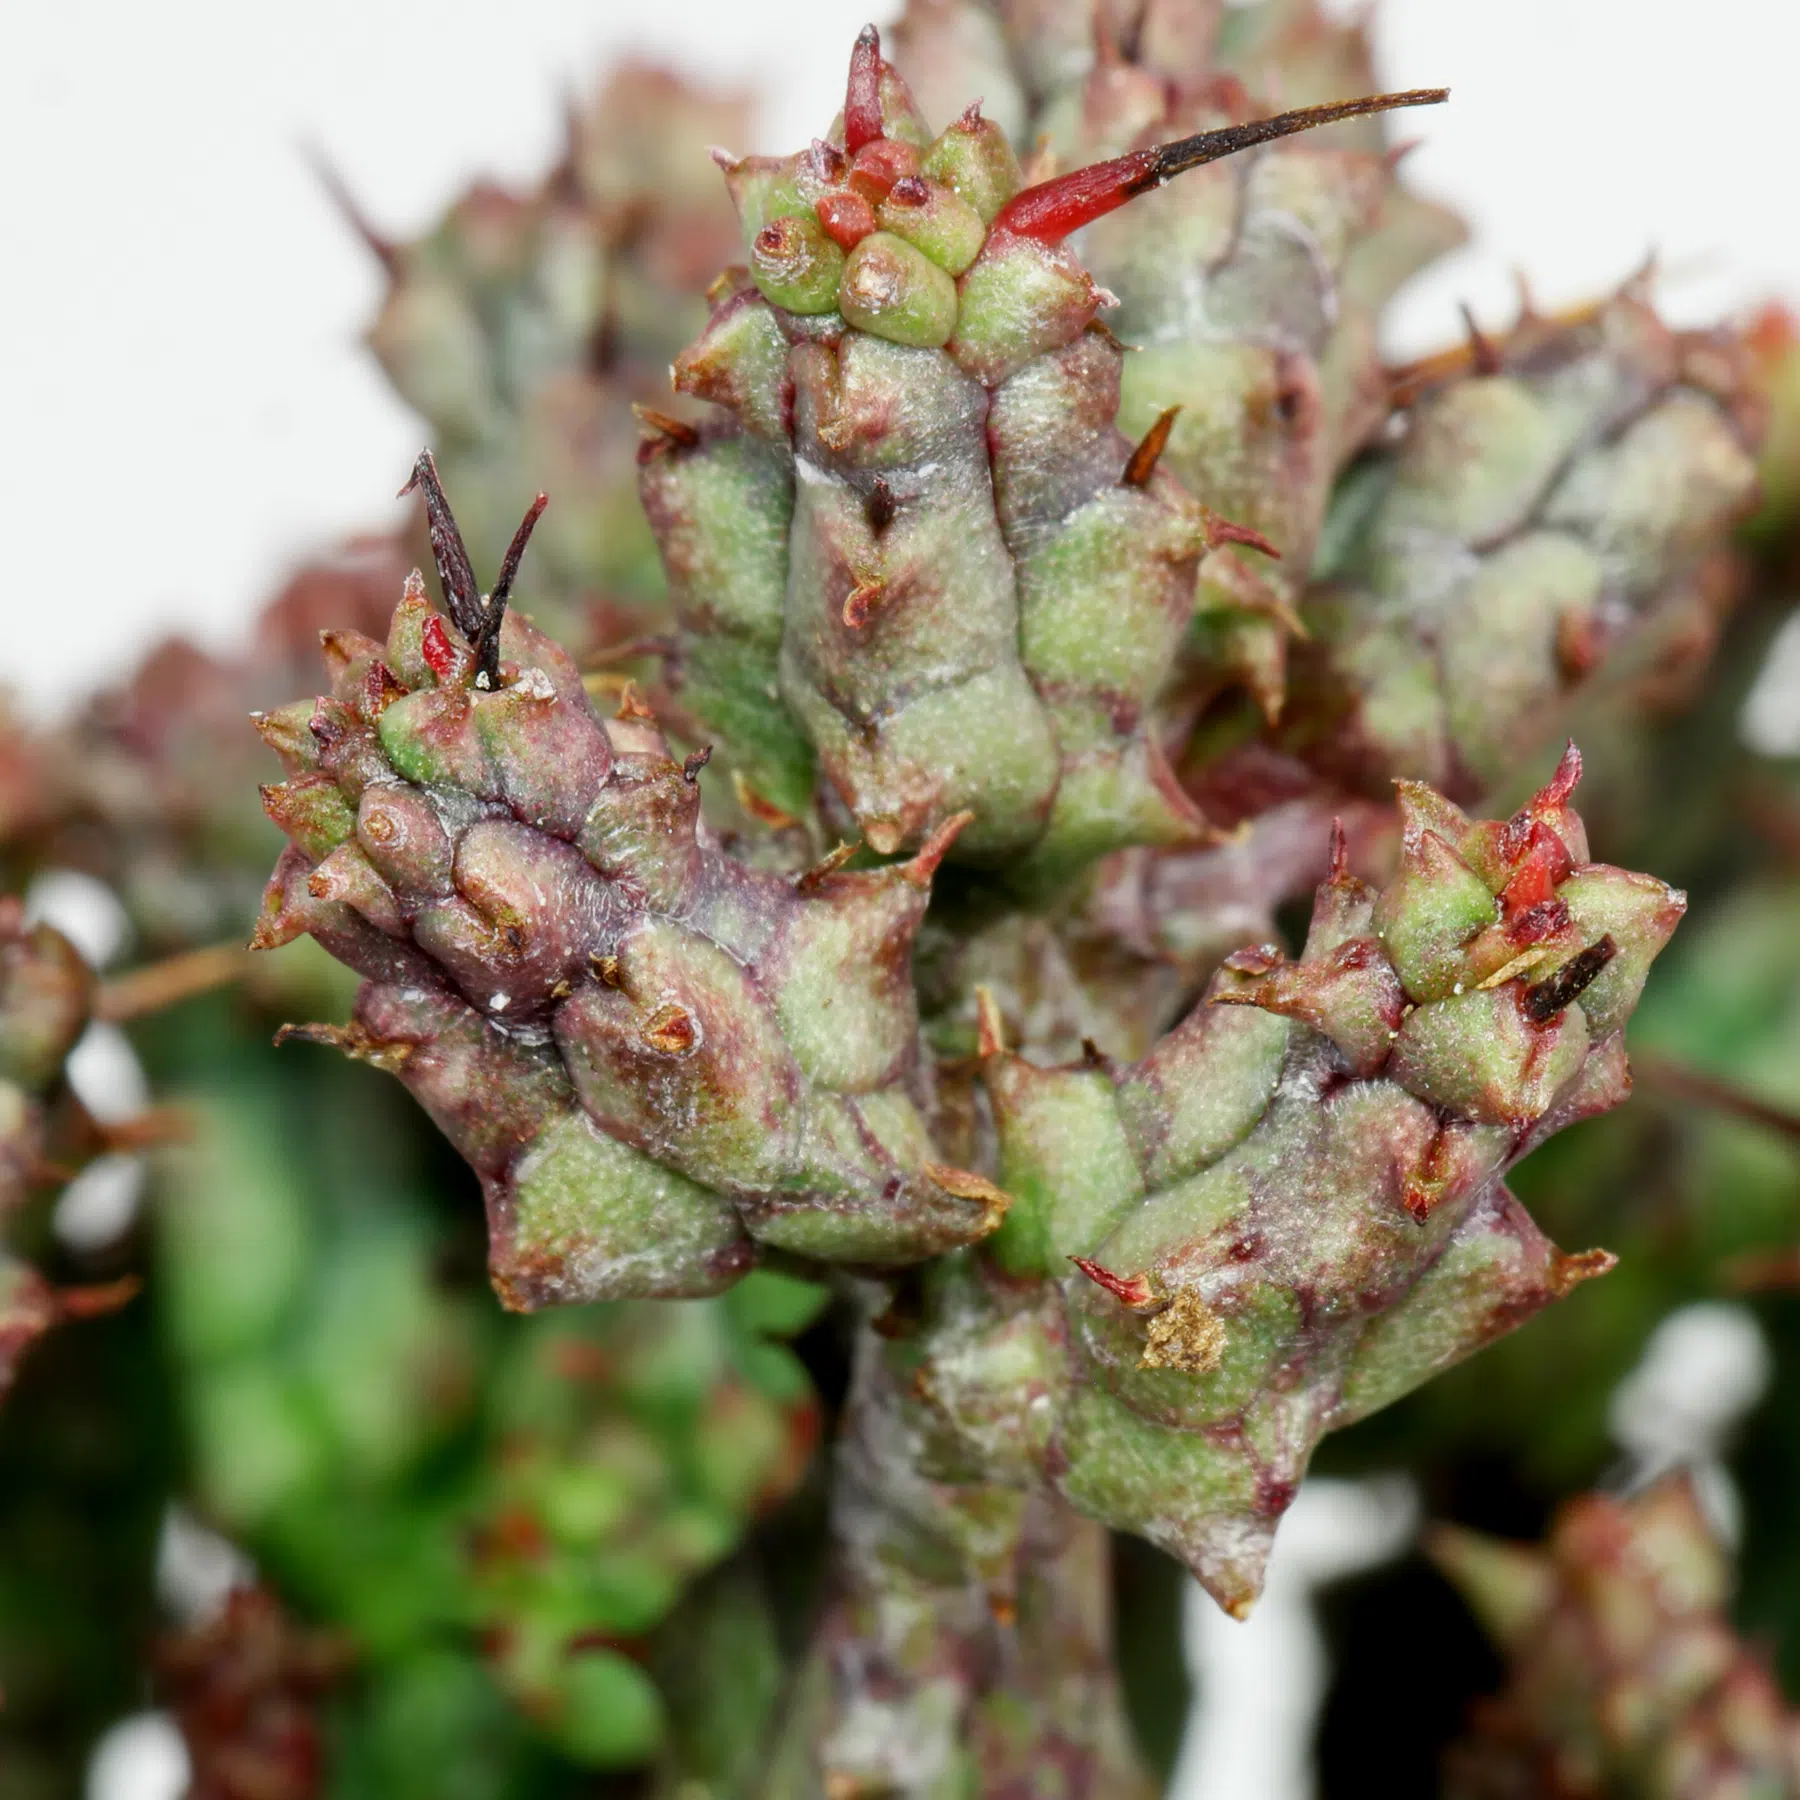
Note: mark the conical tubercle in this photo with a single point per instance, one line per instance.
(1053, 209)
(862, 94)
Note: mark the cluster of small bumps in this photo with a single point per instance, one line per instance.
(913, 554)
(655, 1056)
(1545, 498)
(1292, 1211)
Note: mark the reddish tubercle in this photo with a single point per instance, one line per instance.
(910, 190)
(862, 94)
(876, 167)
(1545, 866)
(439, 652)
(847, 218)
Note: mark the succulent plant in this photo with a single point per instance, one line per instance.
(610, 1016)
(1454, 1019)
(919, 549)
(1285, 1217)
(539, 914)
(1624, 1674)
(923, 936)
(1548, 496)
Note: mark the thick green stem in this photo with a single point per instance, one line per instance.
(967, 1645)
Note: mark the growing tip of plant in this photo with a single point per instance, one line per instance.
(478, 619)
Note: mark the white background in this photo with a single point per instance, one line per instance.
(184, 406)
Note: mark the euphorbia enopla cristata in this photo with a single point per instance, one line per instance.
(932, 598)
(916, 550)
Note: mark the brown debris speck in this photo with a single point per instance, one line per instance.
(1187, 1336)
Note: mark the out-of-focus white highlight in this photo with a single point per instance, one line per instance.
(1703, 1368)
(106, 1075)
(140, 1758)
(99, 1205)
(143, 1757)
(1771, 718)
(87, 912)
(1259, 1685)
(196, 1568)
